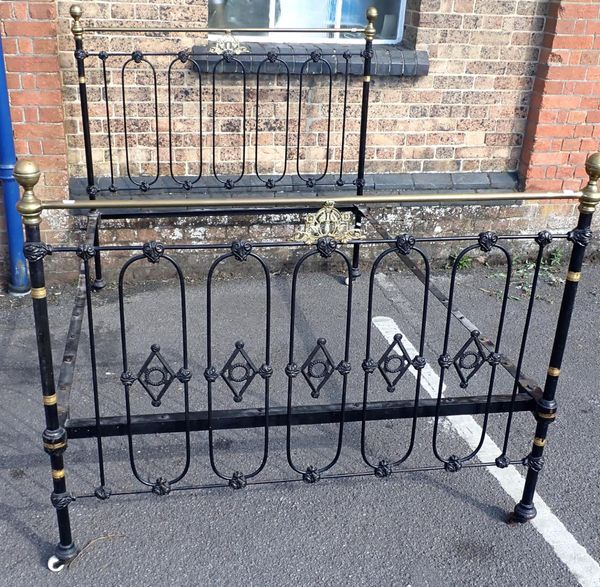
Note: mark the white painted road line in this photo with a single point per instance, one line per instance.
(585, 569)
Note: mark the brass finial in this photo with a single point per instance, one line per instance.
(590, 196)
(27, 175)
(372, 15)
(76, 27)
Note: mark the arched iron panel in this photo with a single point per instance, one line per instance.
(472, 355)
(320, 365)
(155, 375)
(240, 370)
(183, 57)
(314, 58)
(396, 352)
(272, 58)
(228, 183)
(138, 57)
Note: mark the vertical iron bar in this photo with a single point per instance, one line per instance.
(546, 408)
(85, 252)
(367, 55)
(80, 55)
(347, 57)
(104, 57)
(55, 436)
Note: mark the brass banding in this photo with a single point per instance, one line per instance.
(547, 416)
(58, 474)
(55, 446)
(553, 371)
(49, 400)
(38, 293)
(82, 79)
(539, 442)
(574, 276)
(367, 79)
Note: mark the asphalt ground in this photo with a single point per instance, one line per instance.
(425, 528)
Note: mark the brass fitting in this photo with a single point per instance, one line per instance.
(371, 18)
(76, 28)
(590, 196)
(27, 175)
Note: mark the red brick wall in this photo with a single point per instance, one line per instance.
(28, 31)
(565, 107)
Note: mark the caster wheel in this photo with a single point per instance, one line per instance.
(55, 564)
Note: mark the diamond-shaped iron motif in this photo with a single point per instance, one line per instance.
(237, 373)
(470, 359)
(394, 363)
(318, 368)
(156, 375)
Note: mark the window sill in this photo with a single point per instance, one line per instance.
(388, 60)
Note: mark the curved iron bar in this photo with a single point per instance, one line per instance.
(454, 463)
(311, 181)
(211, 373)
(270, 183)
(543, 239)
(369, 366)
(186, 184)
(142, 185)
(312, 473)
(228, 183)
(127, 379)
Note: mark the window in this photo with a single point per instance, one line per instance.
(310, 14)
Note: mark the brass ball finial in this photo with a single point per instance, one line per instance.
(371, 18)
(590, 196)
(76, 28)
(75, 11)
(372, 14)
(27, 174)
(592, 166)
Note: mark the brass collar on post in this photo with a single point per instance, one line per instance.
(76, 27)
(27, 175)
(590, 196)
(371, 17)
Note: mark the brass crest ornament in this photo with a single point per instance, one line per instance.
(228, 44)
(329, 222)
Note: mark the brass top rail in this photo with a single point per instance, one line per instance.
(220, 30)
(413, 198)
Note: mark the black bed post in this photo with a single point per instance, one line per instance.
(364, 113)
(80, 55)
(54, 437)
(546, 408)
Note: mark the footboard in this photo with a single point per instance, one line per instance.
(300, 350)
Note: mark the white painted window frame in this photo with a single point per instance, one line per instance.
(335, 38)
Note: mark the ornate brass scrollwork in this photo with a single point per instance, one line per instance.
(329, 222)
(228, 44)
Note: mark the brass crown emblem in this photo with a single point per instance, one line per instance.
(329, 222)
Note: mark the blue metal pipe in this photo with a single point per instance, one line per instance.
(18, 282)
